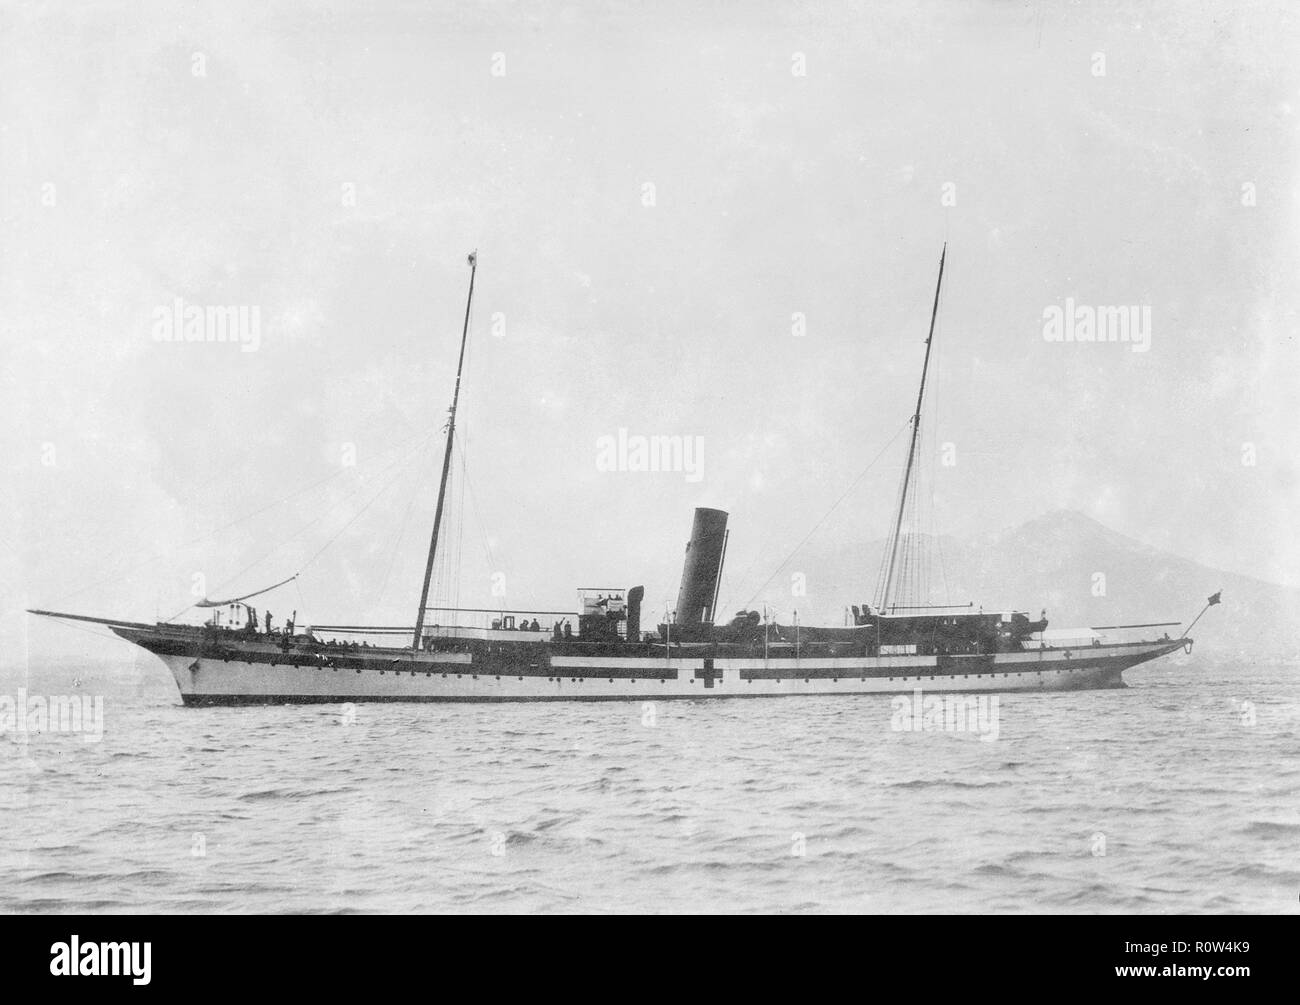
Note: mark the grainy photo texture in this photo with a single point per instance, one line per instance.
(649, 458)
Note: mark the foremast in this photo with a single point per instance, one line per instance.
(446, 460)
(896, 537)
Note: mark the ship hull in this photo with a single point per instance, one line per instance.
(248, 674)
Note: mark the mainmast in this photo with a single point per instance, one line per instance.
(446, 459)
(911, 453)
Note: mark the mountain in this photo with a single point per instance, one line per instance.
(1082, 572)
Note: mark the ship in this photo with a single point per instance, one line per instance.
(601, 650)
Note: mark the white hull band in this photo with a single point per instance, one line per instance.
(459, 677)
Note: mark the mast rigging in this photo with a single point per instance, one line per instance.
(911, 452)
(446, 460)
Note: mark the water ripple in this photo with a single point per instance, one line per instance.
(1155, 799)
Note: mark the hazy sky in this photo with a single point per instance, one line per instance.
(655, 192)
